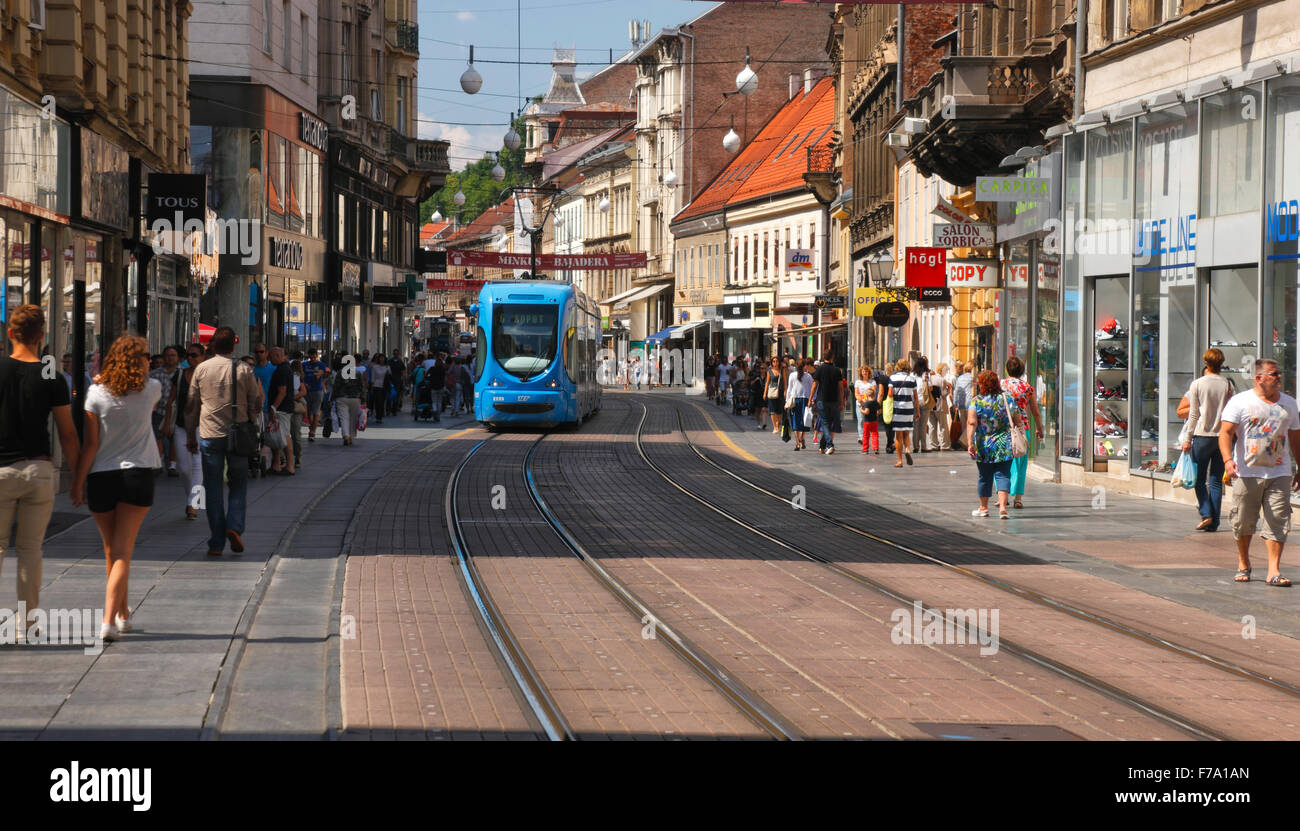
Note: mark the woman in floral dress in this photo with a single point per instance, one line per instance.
(1022, 396)
(988, 435)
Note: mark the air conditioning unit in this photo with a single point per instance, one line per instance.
(897, 140)
(914, 126)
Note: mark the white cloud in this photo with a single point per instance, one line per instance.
(466, 144)
(465, 16)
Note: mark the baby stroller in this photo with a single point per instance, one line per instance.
(424, 406)
(739, 397)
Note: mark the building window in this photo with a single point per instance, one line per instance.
(346, 58)
(302, 29)
(288, 38)
(266, 31)
(1230, 163)
(401, 106)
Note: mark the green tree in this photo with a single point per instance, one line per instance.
(480, 189)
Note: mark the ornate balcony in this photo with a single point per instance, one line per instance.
(408, 36)
(425, 161)
(984, 108)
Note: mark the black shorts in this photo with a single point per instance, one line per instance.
(130, 486)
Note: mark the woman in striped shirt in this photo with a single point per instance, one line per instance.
(902, 388)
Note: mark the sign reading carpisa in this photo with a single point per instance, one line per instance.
(1010, 189)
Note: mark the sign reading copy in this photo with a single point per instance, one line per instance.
(972, 274)
(564, 262)
(926, 267)
(1010, 189)
(799, 259)
(963, 235)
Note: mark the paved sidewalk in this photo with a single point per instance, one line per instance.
(193, 612)
(1145, 544)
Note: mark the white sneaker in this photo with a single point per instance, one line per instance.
(124, 623)
(109, 632)
(830, 451)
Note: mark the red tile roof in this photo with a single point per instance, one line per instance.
(776, 159)
(430, 231)
(503, 215)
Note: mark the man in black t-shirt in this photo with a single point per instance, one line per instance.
(827, 380)
(31, 390)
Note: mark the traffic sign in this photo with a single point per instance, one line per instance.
(890, 314)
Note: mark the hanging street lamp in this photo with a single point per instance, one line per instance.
(747, 79)
(470, 80)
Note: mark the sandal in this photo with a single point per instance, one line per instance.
(1279, 581)
(1243, 575)
(898, 464)
(1002, 514)
(1018, 504)
(980, 512)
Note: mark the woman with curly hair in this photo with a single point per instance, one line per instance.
(116, 466)
(988, 435)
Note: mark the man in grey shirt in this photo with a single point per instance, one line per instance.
(1206, 397)
(209, 421)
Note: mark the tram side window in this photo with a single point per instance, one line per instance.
(480, 356)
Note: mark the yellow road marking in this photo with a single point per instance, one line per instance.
(744, 454)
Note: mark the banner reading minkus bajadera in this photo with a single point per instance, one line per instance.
(171, 194)
(566, 262)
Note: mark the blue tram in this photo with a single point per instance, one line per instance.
(535, 361)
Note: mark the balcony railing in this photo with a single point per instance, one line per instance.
(408, 36)
(431, 155)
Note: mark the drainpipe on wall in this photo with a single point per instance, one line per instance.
(1080, 43)
(898, 94)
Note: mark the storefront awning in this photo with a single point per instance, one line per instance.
(621, 295)
(661, 336)
(686, 328)
(642, 294)
(808, 330)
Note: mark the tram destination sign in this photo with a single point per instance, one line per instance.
(547, 262)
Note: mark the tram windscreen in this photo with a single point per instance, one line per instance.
(524, 338)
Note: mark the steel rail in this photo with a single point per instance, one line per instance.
(526, 678)
(1013, 588)
(734, 690)
(1188, 726)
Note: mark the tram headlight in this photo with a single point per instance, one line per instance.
(552, 383)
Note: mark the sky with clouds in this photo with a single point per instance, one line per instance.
(475, 124)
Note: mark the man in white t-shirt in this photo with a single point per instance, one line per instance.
(724, 378)
(1255, 431)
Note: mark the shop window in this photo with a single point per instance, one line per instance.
(1233, 325)
(1282, 225)
(1111, 362)
(1109, 172)
(1230, 163)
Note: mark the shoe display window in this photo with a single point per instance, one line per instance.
(1111, 362)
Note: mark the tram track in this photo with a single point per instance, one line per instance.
(533, 689)
(1009, 587)
(1187, 726)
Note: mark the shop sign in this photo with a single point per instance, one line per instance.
(1283, 221)
(799, 259)
(946, 210)
(176, 196)
(932, 294)
(313, 131)
(286, 253)
(1173, 235)
(394, 295)
(963, 235)
(925, 266)
(443, 284)
(762, 308)
(830, 301)
(972, 274)
(1010, 189)
(865, 301)
(736, 311)
(892, 313)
